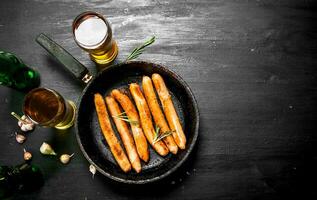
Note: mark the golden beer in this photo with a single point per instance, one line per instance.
(92, 32)
(48, 108)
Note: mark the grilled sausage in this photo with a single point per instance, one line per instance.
(109, 135)
(146, 121)
(125, 134)
(131, 112)
(169, 110)
(157, 113)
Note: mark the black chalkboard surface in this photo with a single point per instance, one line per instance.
(250, 64)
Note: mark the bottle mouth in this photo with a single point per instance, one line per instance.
(26, 79)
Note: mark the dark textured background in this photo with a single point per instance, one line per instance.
(251, 65)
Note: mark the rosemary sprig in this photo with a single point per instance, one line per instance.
(158, 136)
(123, 116)
(156, 133)
(139, 50)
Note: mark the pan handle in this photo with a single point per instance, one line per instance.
(73, 65)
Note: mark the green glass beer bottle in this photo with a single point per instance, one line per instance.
(23, 178)
(15, 74)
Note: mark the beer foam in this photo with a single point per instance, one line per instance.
(91, 31)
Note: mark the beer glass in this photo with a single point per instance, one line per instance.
(92, 32)
(48, 108)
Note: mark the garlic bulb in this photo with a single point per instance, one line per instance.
(24, 122)
(46, 149)
(65, 158)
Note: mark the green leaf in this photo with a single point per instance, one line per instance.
(158, 137)
(139, 50)
(123, 116)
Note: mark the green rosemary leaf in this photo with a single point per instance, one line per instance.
(139, 50)
(158, 137)
(122, 116)
(157, 131)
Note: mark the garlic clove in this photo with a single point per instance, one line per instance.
(29, 127)
(65, 158)
(19, 138)
(93, 170)
(46, 149)
(27, 155)
(23, 128)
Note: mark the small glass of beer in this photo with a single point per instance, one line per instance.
(48, 108)
(92, 32)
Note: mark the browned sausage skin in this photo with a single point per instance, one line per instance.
(146, 120)
(109, 135)
(157, 113)
(125, 134)
(169, 110)
(131, 112)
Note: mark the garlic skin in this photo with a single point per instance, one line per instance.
(65, 158)
(19, 138)
(46, 149)
(27, 155)
(93, 170)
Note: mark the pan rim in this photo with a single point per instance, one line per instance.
(181, 161)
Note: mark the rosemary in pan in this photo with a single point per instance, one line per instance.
(123, 116)
(139, 50)
(158, 136)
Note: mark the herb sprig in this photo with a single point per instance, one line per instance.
(158, 136)
(123, 116)
(139, 50)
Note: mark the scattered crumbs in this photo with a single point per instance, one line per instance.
(173, 183)
(187, 173)
(290, 107)
(252, 49)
